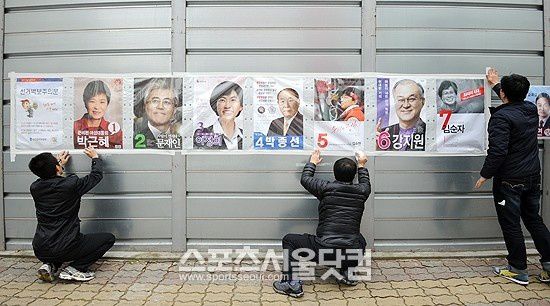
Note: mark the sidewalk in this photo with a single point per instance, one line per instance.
(394, 282)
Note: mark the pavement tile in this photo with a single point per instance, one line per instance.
(453, 263)
(141, 287)
(332, 295)
(403, 285)
(50, 294)
(16, 301)
(194, 288)
(89, 287)
(16, 285)
(445, 300)
(361, 301)
(525, 295)
(544, 294)
(498, 297)
(423, 277)
(463, 289)
(167, 288)
(488, 288)
(436, 291)
(355, 294)
(398, 277)
(412, 263)
(416, 271)
(244, 297)
(390, 301)
(384, 293)
(136, 295)
(372, 286)
(418, 300)
(472, 298)
(29, 293)
(478, 280)
(274, 297)
(387, 264)
(538, 286)
(512, 287)
(9, 292)
(453, 282)
(162, 297)
(240, 303)
(116, 287)
(81, 295)
(393, 271)
(410, 292)
(536, 303)
(429, 283)
(74, 302)
(217, 297)
(109, 295)
(190, 297)
(213, 288)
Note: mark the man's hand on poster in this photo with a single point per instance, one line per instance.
(379, 129)
(492, 77)
(361, 158)
(91, 152)
(316, 157)
(480, 182)
(63, 158)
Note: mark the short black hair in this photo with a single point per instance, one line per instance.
(223, 89)
(545, 96)
(446, 85)
(515, 87)
(345, 169)
(43, 165)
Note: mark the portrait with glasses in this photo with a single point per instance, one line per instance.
(157, 107)
(100, 103)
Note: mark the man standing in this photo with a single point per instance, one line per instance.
(513, 163)
(57, 201)
(409, 99)
(341, 206)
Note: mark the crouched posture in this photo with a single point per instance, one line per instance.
(341, 206)
(57, 201)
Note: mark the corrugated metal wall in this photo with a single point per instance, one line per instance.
(156, 202)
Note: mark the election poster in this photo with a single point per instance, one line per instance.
(278, 113)
(339, 112)
(158, 113)
(540, 96)
(98, 107)
(400, 115)
(460, 115)
(38, 114)
(217, 113)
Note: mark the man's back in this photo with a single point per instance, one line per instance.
(340, 208)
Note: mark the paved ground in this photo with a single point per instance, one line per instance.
(395, 282)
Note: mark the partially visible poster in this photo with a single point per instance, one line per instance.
(278, 114)
(401, 122)
(157, 110)
(98, 107)
(339, 113)
(217, 113)
(461, 117)
(39, 113)
(540, 96)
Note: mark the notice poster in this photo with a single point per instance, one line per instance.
(38, 113)
(157, 110)
(98, 109)
(460, 115)
(401, 125)
(339, 113)
(217, 113)
(540, 96)
(278, 114)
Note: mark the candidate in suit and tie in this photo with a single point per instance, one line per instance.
(291, 124)
(543, 107)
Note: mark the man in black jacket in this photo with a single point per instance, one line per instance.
(341, 205)
(513, 163)
(57, 201)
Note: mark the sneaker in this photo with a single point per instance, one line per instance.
(46, 272)
(544, 277)
(70, 273)
(515, 275)
(346, 278)
(293, 289)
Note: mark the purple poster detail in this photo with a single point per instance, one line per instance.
(383, 101)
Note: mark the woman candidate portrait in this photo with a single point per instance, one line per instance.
(156, 109)
(226, 101)
(291, 123)
(93, 129)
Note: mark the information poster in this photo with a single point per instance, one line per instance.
(217, 113)
(278, 113)
(460, 115)
(401, 122)
(39, 113)
(158, 114)
(98, 113)
(339, 113)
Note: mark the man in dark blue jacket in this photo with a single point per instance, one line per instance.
(341, 206)
(513, 163)
(57, 201)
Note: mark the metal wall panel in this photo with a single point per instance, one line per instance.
(135, 198)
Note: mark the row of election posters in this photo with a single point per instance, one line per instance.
(251, 113)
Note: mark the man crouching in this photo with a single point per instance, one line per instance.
(57, 201)
(341, 205)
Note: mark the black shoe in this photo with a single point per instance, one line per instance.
(284, 287)
(346, 278)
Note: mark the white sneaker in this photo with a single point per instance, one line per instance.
(46, 272)
(70, 273)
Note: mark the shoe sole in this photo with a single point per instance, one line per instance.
(45, 276)
(70, 278)
(513, 279)
(545, 281)
(294, 295)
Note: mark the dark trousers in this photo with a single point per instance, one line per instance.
(520, 199)
(89, 249)
(292, 242)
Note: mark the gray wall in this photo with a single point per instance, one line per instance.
(197, 200)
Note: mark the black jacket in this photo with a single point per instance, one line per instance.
(340, 208)
(57, 202)
(296, 127)
(513, 147)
